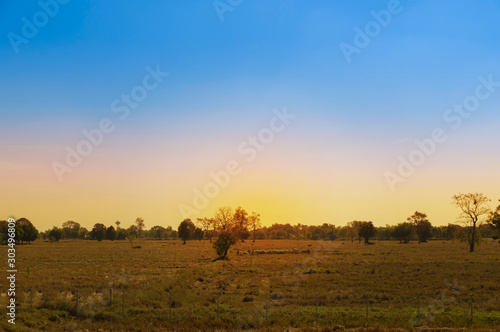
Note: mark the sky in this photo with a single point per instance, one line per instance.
(303, 111)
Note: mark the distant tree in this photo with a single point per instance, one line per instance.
(70, 229)
(367, 230)
(54, 234)
(205, 224)
(186, 230)
(254, 223)
(27, 232)
(316, 233)
(4, 229)
(242, 222)
(385, 233)
(168, 233)
(439, 232)
(487, 231)
(98, 232)
(198, 233)
(328, 232)
(121, 234)
(133, 230)
(353, 230)
(157, 232)
(402, 232)
(82, 233)
(422, 226)
(473, 207)
(495, 220)
(140, 225)
(110, 233)
(453, 231)
(131, 238)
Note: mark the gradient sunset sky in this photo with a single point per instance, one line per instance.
(227, 80)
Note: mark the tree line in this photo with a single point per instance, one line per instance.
(228, 226)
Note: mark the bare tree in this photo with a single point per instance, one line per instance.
(473, 206)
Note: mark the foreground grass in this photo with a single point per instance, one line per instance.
(337, 280)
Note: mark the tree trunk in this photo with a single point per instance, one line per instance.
(473, 238)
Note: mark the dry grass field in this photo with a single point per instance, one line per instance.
(333, 285)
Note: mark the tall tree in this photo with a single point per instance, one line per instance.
(140, 225)
(242, 223)
(473, 207)
(254, 223)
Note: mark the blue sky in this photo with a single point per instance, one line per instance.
(226, 76)
(278, 51)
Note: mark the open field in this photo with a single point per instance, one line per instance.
(331, 285)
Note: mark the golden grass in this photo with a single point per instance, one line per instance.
(337, 279)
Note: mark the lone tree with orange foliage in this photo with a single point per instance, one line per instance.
(473, 206)
(229, 226)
